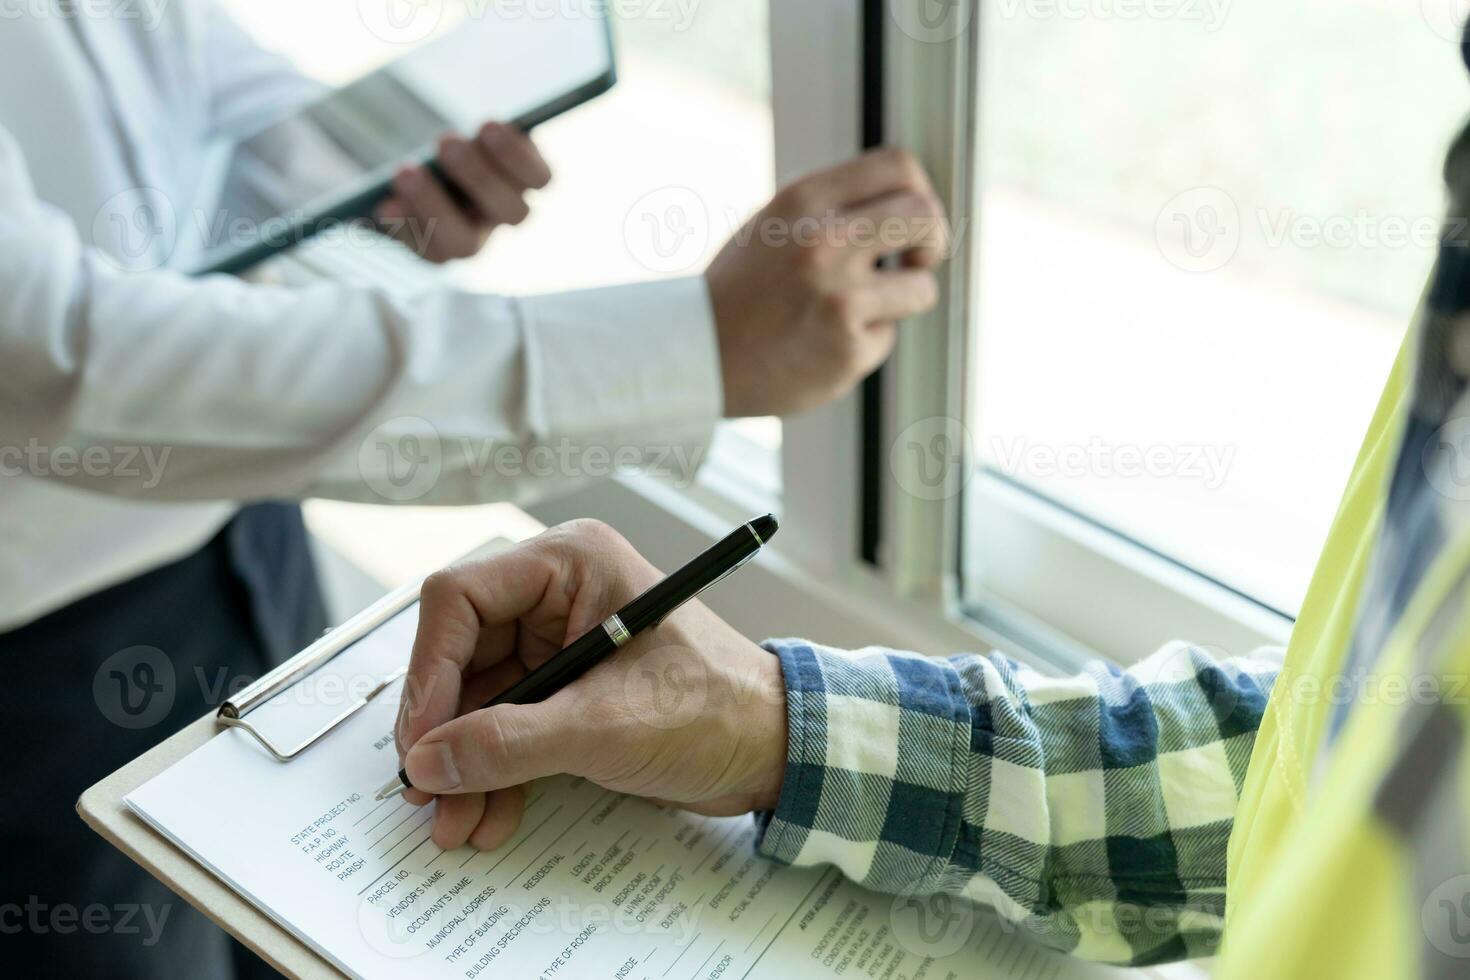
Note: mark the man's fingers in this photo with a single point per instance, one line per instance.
(467, 620)
(455, 818)
(446, 232)
(877, 343)
(476, 689)
(908, 223)
(496, 747)
(897, 294)
(513, 151)
(875, 174)
(502, 817)
(493, 194)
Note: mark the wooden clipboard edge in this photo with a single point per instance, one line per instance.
(103, 808)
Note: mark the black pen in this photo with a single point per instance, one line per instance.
(644, 612)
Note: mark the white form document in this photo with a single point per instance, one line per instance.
(593, 884)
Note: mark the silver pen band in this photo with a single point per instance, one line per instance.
(616, 631)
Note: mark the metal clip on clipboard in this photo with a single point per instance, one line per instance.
(233, 713)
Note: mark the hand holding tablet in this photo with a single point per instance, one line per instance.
(377, 140)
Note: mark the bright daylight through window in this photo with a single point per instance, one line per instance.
(1198, 251)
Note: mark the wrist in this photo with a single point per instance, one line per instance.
(770, 733)
(730, 383)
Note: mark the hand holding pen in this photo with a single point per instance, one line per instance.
(689, 713)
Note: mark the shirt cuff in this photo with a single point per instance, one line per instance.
(877, 752)
(633, 362)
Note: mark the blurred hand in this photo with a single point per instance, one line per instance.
(491, 172)
(802, 309)
(689, 714)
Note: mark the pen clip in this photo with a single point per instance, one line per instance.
(724, 575)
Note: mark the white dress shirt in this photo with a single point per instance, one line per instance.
(257, 391)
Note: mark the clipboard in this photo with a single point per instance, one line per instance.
(103, 808)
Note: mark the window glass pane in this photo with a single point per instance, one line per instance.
(1202, 229)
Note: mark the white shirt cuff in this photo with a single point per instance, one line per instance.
(639, 361)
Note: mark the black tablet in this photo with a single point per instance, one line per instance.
(330, 162)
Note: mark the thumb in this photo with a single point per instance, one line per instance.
(493, 748)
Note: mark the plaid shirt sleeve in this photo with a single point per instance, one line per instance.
(1092, 810)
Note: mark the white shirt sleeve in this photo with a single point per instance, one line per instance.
(258, 391)
(243, 82)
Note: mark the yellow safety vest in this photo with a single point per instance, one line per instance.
(1318, 884)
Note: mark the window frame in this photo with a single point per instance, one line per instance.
(1041, 583)
(1051, 581)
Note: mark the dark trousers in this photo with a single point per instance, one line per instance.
(98, 683)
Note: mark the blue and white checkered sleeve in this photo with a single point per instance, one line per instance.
(1092, 810)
